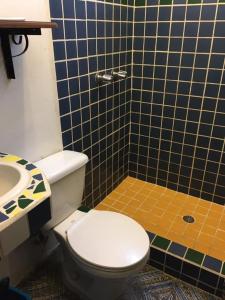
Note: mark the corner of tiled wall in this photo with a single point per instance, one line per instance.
(178, 91)
(169, 117)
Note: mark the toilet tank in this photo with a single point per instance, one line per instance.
(65, 172)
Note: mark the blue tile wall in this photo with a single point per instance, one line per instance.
(93, 37)
(178, 105)
(168, 115)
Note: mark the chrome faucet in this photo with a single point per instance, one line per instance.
(103, 78)
(119, 75)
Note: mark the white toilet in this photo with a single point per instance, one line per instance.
(101, 249)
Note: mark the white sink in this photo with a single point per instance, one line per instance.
(13, 180)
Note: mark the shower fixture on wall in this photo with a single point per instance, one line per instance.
(119, 74)
(104, 78)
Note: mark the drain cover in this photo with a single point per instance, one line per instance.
(188, 219)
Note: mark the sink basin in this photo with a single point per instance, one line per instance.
(13, 180)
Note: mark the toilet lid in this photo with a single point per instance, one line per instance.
(108, 239)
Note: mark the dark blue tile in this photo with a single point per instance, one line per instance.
(100, 11)
(30, 167)
(70, 29)
(69, 9)
(80, 9)
(9, 204)
(67, 138)
(91, 29)
(38, 177)
(190, 270)
(151, 236)
(193, 12)
(74, 86)
(3, 217)
(66, 122)
(177, 249)
(58, 33)
(71, 49)
(81, 30)
(61, 70)
(82, 48)
(208, 12)
(208, 278)
(63, 90)
(221, 12)
(91, 11)
(56, 8)
(72, 68)
(83, 67)
(179, 13)
(64, 106)
(59, 50)
(191, 29)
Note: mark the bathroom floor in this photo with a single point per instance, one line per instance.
(151, 284)
(161, 211)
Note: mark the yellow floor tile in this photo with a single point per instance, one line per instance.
(202, 210)
(118, 205)
(161, 210)
(211, 230)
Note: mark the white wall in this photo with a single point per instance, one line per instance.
(29, 118)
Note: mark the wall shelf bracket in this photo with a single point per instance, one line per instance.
(14, 32)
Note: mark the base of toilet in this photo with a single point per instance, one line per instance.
(88, 286)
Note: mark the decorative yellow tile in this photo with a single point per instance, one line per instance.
(210, 230)
(157, 211)
(204, 239)
(108, 201)
(204, 248)
(10, 158)
(118, 205)
(188, 242)
(161, 211)
(212, 221)
(220, 234)
(134, 203)
(202, 210)
(102, 207)
(217, 253)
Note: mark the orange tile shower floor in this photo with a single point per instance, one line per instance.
(161, 210)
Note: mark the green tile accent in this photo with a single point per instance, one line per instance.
(23, 203)
(139, 2)
(124, 2)
(84, 208)
(22, 162)
(9, 210)
(194, 256)
(161, 242)
(194, 1)
(166, 2)
(223, 269)
(40, 188)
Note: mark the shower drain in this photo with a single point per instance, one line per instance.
(188, 219)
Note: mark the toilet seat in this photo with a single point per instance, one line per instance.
(108, 241)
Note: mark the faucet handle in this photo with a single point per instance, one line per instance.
(119, 74)
(102, 78)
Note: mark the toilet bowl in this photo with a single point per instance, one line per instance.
(101, 250)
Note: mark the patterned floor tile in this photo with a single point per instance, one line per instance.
(150, 284)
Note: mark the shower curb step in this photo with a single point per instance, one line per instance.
(189, 265)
